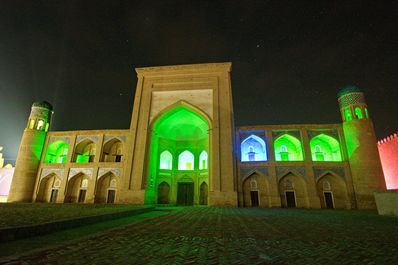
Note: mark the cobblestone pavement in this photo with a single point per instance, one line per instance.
(198, 235)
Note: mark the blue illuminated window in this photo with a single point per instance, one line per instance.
(253, 148)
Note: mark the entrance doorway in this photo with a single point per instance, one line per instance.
(290, 199)
(254, 198)
(163, 193)
(185, 194)
(328, 199)
(111, 196)
(203, 194)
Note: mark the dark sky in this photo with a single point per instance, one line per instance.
(289, 58)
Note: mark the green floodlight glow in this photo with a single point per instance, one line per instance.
(85, 151)
(325, 148)
(288, 148)
(182, 132)
(347, 114)
(56, 152)
(358, 113)
(366, 113)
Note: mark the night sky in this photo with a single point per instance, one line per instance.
(289, 58)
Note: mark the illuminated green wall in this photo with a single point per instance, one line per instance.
(288, 148)
(179, 130)
(325, 148)
(56, 152)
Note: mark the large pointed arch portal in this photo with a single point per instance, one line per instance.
(182, 112)
(182, 131)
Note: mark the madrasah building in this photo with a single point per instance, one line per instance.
(182, 148)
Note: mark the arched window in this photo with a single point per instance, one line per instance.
(288, 148)
(57, 152)
(366, 113)
(347, 114)
(31, 124)
(325, 148)
(358, 113)
(40, 125)
(203, 160)
(253, 149)
(47, 126)
(186, 161)
(166, 160)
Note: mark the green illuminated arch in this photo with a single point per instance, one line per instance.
(56, 152)
(358, 113)
(288, 148)
(182, 130)
(366, 113)
(347, 114)
(85, 152)
(325, 148)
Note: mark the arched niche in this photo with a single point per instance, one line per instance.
(106, 188)
(85, 152)
(57, 152)
(203, 160)
(166, 160)
(325, 148)
(253, 148)
(112, 151)
(186, 161)
(48, 190)
(288, 148)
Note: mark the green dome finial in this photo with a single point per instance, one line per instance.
(348, 90)
(43, 104)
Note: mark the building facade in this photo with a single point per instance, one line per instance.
(182, 148)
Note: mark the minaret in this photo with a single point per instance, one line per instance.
(360, 138)
(29, 153)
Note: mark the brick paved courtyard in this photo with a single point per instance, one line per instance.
(236, 236)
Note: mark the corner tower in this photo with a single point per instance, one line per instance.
(29, 153)
(360, 138)
(181, 137)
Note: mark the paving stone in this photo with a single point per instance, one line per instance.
(199, 235)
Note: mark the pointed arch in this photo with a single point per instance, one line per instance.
(76, 188)
(293, 191)
(332, 191)
(85, 151)
(288, 148)
(106, 188)
(203, 160)
(253, 148)
(163, 193)
(57, 152)
(164, 113)
(203, 193)
(186, 161)
(325, 148)
(48, 188)
(182, 129)
(112, 151)
(166, 160)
